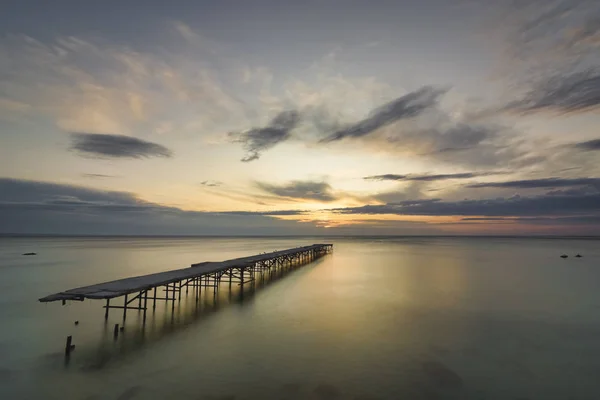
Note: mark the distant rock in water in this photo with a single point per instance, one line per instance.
(578, 256)
(564, 256)
(30, 254)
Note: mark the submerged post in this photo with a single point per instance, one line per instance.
(68, 346)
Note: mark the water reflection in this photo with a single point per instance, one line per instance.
(192, 307)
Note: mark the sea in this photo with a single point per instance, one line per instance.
(405, 318)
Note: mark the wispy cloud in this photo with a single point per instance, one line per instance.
(257, 140)
(407, 106)
(116, 146)
(551, 49)
(273, 213)
(538, 183)
(98, 176)
(90, 85)
(211, 183)
(513, 206)
(590, 145)
(301, 190)
(430, 178)
(562, 94)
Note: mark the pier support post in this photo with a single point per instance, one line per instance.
(68, 346)
(154, 300)
(125, 308)
(173, 298)
(107, 308)
(145, 303)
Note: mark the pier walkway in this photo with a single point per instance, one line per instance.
(206, 274)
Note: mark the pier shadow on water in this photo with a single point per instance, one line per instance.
(170, 319)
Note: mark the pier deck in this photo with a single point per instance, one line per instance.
(198, 275)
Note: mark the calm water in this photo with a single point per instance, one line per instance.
(401, 318)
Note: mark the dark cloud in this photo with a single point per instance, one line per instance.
(266, 213)
(98, 176)
(429, 178)
(575, 191)
(17, 190)
(538, 183)
(414, 202)
(116, 146)
(563, 94)
(257, 140)
(544, 205)
(578, 219)
(301, 190)
(407, 106)
(211, 183)
(49, 208)
(486, 219)
(590, 145)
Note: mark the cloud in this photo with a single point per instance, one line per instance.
(551, 49)
(407, 106)
(538, 183)
(257, 140)
(485, 219)
(513, 206)
(116, 146)
(429, 178)
(98, 176)
(565, 31)
(18, 190)
(266, 213)
(589, 145)
(563, 94)
(51, 208)
(211, 183)
(415, 125)
(84, 84)
(300, 190)
(578, 219)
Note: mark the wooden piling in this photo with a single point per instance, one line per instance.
(68, 345)
(125, 308)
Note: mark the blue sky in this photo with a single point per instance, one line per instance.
(314, 117)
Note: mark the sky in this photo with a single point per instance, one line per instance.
(329, 117)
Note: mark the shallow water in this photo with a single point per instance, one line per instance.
(391, 318)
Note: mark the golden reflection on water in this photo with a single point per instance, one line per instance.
(383, 318)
